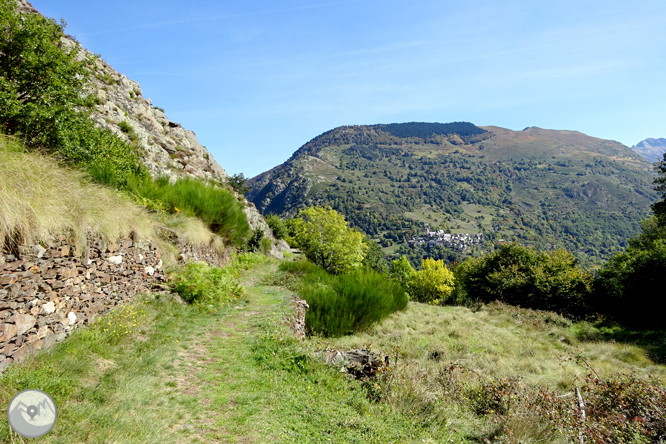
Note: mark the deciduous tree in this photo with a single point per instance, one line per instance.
(325, 238)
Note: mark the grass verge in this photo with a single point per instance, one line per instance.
(39, 199)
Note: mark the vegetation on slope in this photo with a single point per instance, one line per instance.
(45, 98)
(544, 188)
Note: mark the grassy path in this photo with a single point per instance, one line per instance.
(160, 372)
(155, 372)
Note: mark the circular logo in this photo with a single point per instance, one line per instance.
(32, 413)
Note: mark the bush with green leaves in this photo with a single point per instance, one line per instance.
(277, 226)
(239, 183)
(200, 283)
(401, 271)
(325, 238)
(345, 303)
(433, 283)
(523, 276)
(630, 285)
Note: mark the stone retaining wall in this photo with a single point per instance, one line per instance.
(46, 291)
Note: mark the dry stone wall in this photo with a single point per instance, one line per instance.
(46, 291)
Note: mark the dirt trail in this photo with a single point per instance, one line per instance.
(217, 354)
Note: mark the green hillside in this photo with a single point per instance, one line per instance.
(541, 187)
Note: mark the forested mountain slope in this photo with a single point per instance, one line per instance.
(548, 188)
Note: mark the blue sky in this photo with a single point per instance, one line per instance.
(257, 79)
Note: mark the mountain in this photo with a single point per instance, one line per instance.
(651, 150)
(548, 188)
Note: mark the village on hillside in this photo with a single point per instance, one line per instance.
(458, 242)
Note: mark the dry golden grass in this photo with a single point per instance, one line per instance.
(193, 231)
(499, 340)
(40, 199)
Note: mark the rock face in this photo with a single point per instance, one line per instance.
(651, 149)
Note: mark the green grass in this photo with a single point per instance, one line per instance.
(237, 374)
(216, 206)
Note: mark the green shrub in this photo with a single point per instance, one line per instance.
(345, 303)
(523, 276)
(239, 183)
(265, 245)
(402, 272)
(200, 283)
(277, 225)
(254, 244)
(126, 128)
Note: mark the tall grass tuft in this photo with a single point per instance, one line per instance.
(216, 206)
(39, 200)
(346, 303)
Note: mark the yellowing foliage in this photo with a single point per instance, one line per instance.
(433, 283)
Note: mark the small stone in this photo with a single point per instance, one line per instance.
(149, 270)
(8, 279)
(72, 317)
(116, 260)
(48, 308)
(4, 364)
(38, 250)
(41, 333)
(24, 322)
(65, 250)
(7, 332)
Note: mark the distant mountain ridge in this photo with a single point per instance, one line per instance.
(651, 149)
(543, 187)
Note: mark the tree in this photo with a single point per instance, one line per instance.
(433, 283)
(41, 78)
(523, 276)
(402, 272)
(659, 208)
(325, 238)
(628, 286)
(374, 257)
(239, 183)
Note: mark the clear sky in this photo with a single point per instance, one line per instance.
(256, 79)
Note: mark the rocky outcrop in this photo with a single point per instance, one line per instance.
(651, 149)
(166, 148)
(48, 290)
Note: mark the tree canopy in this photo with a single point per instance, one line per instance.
(659, 208)
(325, 238)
